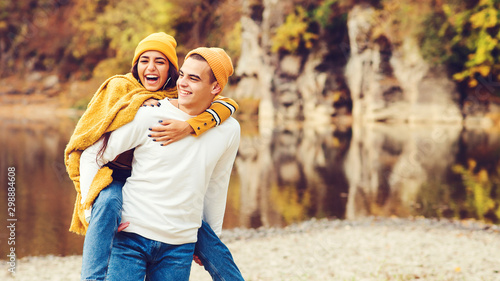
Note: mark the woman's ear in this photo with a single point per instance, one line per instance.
(216, 89)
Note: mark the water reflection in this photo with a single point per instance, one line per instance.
(280, 177)
(291, 175)
(389, 164)
(43, 190)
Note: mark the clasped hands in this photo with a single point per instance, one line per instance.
(168, 131)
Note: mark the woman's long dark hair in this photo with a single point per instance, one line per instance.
(173, 74)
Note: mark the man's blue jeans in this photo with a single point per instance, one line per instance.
(215, 256)
(106, 216)
(135, 257)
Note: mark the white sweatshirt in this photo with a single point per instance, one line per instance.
(172, 188)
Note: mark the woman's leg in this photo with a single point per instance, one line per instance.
(104, 221)
(215, 256)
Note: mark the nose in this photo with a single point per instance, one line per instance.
(151, 66)
(181, 81)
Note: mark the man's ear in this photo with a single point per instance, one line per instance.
(216, 89)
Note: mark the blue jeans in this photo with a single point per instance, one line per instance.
(106, 216)
(215, 256)
(104, 221)
(135, 257)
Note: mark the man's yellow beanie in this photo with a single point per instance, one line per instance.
(219, 62)
(160, 42)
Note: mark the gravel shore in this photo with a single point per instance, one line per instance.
(367, 249)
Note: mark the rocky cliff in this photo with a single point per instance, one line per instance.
(384, 82)
(405, 113)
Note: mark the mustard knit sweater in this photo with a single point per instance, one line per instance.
(114, 104)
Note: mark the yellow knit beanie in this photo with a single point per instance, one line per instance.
(219, 62)
(160, 42)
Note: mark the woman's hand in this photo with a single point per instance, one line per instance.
(197, 260)
(170, 131)
(122, 226)
(151, 102)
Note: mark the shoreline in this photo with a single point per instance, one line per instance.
(365, 249)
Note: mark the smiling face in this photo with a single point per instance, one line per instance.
(195, 88)
(152, 67)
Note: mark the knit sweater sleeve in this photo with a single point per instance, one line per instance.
(122, 139)
(216, 195)
(218, 112)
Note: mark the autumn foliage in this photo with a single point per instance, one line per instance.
(79, 39)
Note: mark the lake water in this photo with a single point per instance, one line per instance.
(280, 177)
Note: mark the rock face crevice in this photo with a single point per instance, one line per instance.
(395, 83)
(290, 87)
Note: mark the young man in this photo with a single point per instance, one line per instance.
(172, 188)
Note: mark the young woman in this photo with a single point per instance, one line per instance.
(153, 75)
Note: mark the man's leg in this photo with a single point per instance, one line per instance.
(171, 262)
(129, 257)
(104, 221)
(215, 256)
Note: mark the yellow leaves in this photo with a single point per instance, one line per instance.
(480, 187)
(470, 73)
(233, 39)
(118, 26)
(485, 45)
(447, 10)
(485, 3)
(288, 202)
(336, 142)
(472, 164)
(337, 95)
(460, 76)
(293, 32)
(482, 176)
(484, 70)
(472, 83)
(485, 18)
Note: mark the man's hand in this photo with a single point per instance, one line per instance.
(197, 260)
(170, 131)
(122, 226)
(151, 102)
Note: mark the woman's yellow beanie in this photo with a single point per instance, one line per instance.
(219, 62)
(160, 42)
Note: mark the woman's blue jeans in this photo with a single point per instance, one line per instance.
(106, 216)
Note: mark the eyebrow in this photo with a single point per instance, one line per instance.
(155, 58)
(190, 75)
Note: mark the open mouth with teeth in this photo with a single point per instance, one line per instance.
(183, 92)
(152, 78)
